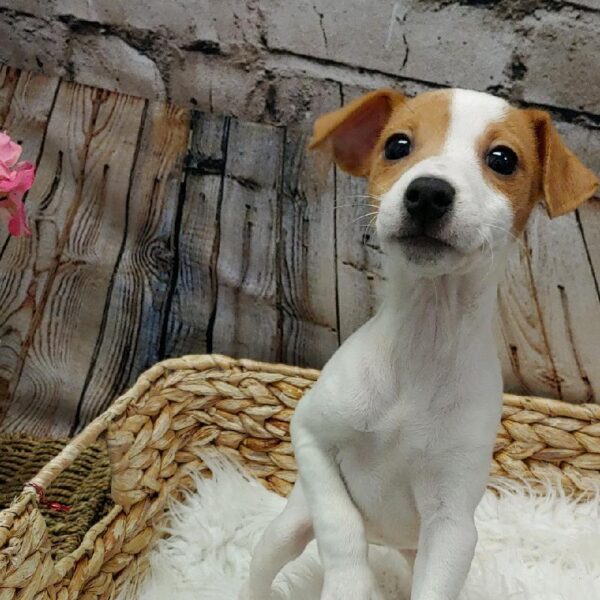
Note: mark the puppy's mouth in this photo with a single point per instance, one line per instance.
(423, 241)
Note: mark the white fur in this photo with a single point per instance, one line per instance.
(530, 548)
(394, 441)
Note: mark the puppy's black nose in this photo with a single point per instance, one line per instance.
(428, 198)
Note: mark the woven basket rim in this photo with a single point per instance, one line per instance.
(553, 408)
(203, 362)
(198, 362)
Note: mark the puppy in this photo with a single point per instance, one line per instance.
(394, 441)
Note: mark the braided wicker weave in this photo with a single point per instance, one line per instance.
(242, 408)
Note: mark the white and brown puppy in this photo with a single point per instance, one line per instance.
(394, 441)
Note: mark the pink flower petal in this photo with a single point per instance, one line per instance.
(13, 211)
(5, 172)
(27, 172)
(18, 225)
(9, 150)
(20, 180)
(15, 180)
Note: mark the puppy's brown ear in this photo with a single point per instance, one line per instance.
(565, 181)
(350, 134)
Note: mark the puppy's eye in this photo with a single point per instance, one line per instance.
(397, 146)
(502, 159)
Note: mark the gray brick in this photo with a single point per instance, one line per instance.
(452, 45)
(299, 68)
(459, 46)
(225, 21)
(271, 59)
(594, 4)
(38, 8)
(250, 92)
(210, 83)
(583, 141)
(563, 62)
(108, 62)
(299, 100)
(32, 43)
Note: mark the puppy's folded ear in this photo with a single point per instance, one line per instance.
(565, 181)
(350, 134)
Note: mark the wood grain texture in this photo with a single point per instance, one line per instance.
(32, 101)
(549, 304)
(359, 264)
(588, 220)
(62, 335)
(309, 319)
(520, 333)
(157, 233)
(564, 289)
(247, 318)
(193, 307)
(8, 82)
(129, 337)
(24, 260)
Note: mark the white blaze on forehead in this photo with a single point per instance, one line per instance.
(470, 114)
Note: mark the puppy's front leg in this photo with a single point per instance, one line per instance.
(448, 536)
(337, 523)
(444, 557)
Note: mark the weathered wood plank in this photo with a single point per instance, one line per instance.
(69, 313)
(359, 264)
(309, 321)
(569, 304)
(8, 82)
(128, 264)
(26, 121)
(137, 299)
(195, 292)
(309, 333)
(247, 319)
(31, 98)
(527, 365)
(553, 324)
(25, 260)
(588, 219)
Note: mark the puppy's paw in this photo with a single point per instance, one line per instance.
(350, 585)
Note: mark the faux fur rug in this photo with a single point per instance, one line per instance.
(531, 547)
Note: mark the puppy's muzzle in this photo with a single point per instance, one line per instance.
(427, 199)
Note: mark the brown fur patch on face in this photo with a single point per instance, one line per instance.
(522, 188)
(425, 119)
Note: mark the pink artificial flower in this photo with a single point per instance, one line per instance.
(15, 180)
(9, 150)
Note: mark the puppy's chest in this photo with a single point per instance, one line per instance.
(378, 472)
(376, 461)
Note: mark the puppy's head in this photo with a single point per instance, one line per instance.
(456, 172)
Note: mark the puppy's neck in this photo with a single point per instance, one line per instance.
(447, 309)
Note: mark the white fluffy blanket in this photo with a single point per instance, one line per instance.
(531, 547)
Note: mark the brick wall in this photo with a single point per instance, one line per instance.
(273, 60)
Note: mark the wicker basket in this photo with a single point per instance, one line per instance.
(243, 408)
